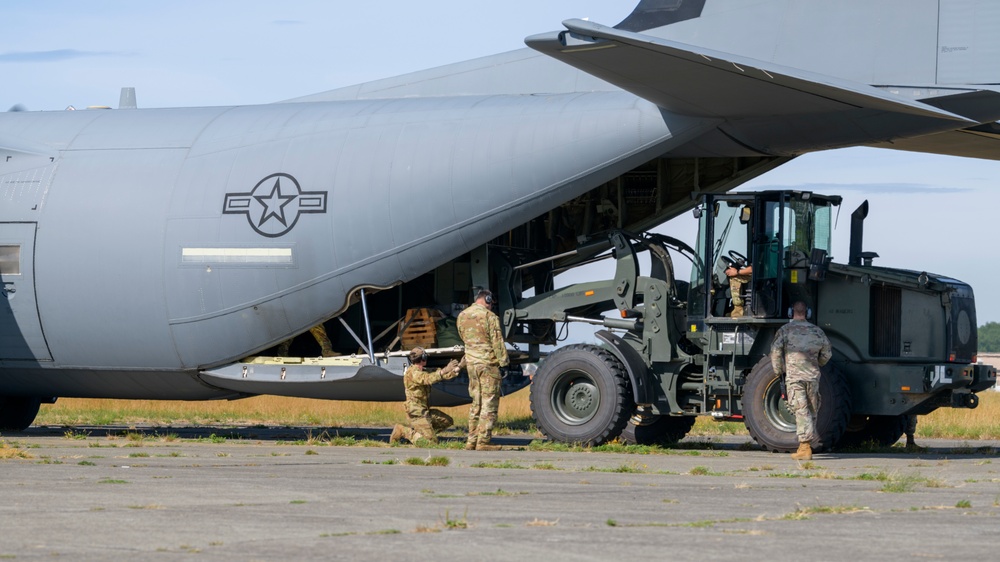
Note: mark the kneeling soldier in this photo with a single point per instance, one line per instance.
(424, 423)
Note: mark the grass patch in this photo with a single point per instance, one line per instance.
(878, 476)
(704, 471)
(963, 504)
(787, 475)
(902, 484)
(895, 483)
(499, 464)
(429, 461)
(628, 468)
(456, 523)
(111, 481)
(431, 494)
(9, 451)
(805, 512)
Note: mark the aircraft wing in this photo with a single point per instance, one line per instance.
(694, 81)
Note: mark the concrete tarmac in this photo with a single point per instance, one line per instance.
(100, 493)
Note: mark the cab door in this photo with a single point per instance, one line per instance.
(21, 336)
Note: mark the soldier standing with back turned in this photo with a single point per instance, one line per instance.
(798, 351)
(485, 353)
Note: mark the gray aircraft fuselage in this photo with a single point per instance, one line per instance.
(219, 232)
(145, 246)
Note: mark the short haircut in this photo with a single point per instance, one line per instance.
(800, 308)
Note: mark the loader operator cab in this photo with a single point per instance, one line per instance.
(782, 237)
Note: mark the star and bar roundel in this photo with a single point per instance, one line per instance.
(274, 205)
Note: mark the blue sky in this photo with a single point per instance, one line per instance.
(928, 212)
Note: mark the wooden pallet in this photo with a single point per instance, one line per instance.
(419, 327)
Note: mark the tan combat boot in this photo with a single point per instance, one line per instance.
(487, 447)
(805, 452)
(470, 445)
(397, 434)
(737, 312)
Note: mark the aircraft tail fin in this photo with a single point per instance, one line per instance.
(694, 81)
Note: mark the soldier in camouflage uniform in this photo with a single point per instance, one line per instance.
(738, 278)
(798, 351)
(424, 422)
(319, 333)
(485, 352)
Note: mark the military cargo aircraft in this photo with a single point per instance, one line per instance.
(163, 253)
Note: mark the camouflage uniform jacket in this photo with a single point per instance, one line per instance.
(799, 350)
(480, 331)
(417, 383)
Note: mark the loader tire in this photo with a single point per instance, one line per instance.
(661, 430)
(880, 431)
(580, 394)
(772, 425)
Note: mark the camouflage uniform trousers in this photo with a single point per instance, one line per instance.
(484, 388)
(911, 430)
(319, 334)
(427, 426)
(736, 283)
(804, 402)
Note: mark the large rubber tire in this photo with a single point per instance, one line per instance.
(580, 394)
(881, 431)
(17, 413)
(769, 422)
(659, 430)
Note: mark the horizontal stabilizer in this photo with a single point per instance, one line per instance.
(981, 106)
(982, 141)
(690, 80)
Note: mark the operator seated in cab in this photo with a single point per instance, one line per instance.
(738, 277)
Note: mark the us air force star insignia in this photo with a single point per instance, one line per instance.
(273, 206)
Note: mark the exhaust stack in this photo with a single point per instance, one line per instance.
(858, 233)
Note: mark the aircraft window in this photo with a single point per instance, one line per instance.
(10, 260)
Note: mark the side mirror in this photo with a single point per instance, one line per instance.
(697, 212)
(745, 215)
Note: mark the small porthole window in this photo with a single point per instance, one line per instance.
(10, 260)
